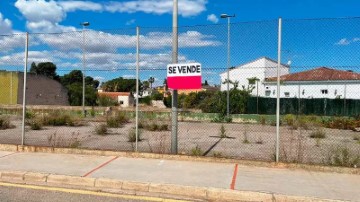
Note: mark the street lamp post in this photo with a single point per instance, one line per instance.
(84, 24)
(228, 64)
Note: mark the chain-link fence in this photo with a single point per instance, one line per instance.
(81, 90)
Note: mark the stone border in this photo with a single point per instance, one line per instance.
(102, 184)
(22, 148)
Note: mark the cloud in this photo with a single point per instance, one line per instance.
(5, 25)
(345, 41)
(70, 6)
(10, 42)
(212, 18)
(96, 41)
(45, 16)
(130, 22)
(187, 8)
(41, 10)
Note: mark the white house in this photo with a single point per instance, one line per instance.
(260, 69)
(320, 82)
(125, 99)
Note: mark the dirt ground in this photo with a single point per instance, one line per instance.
(240, 140)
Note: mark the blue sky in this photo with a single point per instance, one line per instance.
(110, 38)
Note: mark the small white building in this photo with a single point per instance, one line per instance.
(259, 69)
(321, 82)
(125, 99)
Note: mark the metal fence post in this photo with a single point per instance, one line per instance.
(174, 123)
(278, 92)
(24, 90)
(137, 87)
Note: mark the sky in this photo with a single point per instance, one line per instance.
(310, 37)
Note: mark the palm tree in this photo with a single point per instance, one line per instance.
(151, 81)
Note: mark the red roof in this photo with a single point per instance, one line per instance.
(319, 74)
(114, 95)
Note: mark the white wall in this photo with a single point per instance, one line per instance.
(261, 69)
(314, 90)
(127, 101)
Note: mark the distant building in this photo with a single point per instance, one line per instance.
(322, 82)
(257, 70)
(125, 99)
(40, 90)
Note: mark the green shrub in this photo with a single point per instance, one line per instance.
(132, 135)
(5, 123)
(289, 119)
(117, 120)
(58, 120)
(196, 151)
(145, 100)
(29, 115)
(153, 126)
(101, 129)
(341, 123)
(35, 125)
(318, 133)
(105, 101)
(164, 127)
(262, 120)
(343, 157)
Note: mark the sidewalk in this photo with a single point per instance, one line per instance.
(224, 176)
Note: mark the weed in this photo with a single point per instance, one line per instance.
(163, 127)
(228, 119)
(118, 120)
(132, 135)
(343, 157)
(56, 119)
(289, 119)
(246, 141)
(318, 141)
(101, 129)
(318, 133)
(223, 131)
(5, 123)
(75, 144)
(35, 124)
(196, 151)
(262, 120)
(217, 154)
(259, 140)
(29, 115)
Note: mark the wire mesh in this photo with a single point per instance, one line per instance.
(319, 103)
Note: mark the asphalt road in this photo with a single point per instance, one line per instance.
(27, 193)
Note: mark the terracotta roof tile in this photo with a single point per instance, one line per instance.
(319, 74)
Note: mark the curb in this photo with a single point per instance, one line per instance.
(56, 150)
(209, 194)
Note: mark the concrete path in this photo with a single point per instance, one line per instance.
(201, 174)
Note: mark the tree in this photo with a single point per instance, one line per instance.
(120, 85)
(151, 81)
(74, 83)
(47, 69)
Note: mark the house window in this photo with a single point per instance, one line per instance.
(324, 91)
(335, 92)
(121, 102)
(303, 92)
(267, 92)
(287, 94)
(273, 92)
